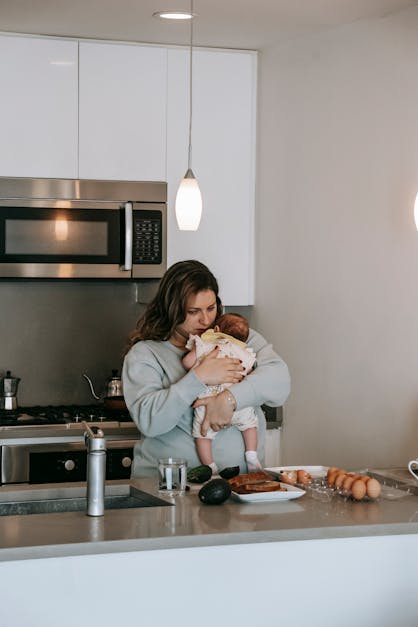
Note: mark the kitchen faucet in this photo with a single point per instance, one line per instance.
(96, 469)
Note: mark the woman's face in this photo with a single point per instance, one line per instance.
(200, 314)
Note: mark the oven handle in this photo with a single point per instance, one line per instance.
(128, 235)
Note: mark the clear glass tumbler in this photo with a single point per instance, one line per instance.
(172, 475)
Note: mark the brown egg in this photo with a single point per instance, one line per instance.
(289, 476)
(331, 470)
(373, 488)
(364, 478)
(348, 482)
(339, 480)
(331, 478)
(358, 490)
(304, 477)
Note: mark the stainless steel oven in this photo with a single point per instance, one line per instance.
(60, 462)
(64, 229)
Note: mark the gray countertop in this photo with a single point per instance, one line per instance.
(189, 523)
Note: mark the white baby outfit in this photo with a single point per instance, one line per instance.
(228, 347)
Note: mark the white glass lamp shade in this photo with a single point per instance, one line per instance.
(416, 211)
(188, 203)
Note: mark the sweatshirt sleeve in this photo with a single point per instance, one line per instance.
(156, 404)
(268, 383)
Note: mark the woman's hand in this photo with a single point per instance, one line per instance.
(219, 410)
(212, 371)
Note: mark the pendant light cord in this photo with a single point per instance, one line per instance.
(189, 159)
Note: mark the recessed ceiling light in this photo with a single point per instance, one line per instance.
(173, 15)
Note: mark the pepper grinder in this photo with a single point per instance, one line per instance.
(8, 391)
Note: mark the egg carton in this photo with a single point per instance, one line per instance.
(320, 490)
(392, 488)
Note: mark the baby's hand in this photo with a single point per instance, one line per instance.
(189, 360)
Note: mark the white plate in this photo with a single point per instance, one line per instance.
(256, 497)
(316, 472)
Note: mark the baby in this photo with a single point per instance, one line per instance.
(229, 335)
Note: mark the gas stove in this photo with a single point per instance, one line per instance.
(52, 415)
(46, 443)
(64, 422)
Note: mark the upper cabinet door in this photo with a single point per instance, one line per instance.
(123, 93)
(38, 107)
(223, 161)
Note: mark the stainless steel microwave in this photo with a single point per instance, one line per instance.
(72, 229)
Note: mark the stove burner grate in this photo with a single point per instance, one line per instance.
(60, 414)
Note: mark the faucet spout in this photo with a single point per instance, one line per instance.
(96, 469)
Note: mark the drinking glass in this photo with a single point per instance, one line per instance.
(172, 474)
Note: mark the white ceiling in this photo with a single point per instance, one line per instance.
(249, 24)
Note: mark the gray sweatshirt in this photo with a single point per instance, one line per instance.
(159, 394)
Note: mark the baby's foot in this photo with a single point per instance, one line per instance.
(215, 470)
(252, 460)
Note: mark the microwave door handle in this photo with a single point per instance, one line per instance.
(128, 235)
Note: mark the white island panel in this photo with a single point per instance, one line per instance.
(367, 582)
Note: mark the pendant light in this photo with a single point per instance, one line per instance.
(189, 199)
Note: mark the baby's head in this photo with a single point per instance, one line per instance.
(233, 324)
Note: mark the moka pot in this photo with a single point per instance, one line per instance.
(8, 391)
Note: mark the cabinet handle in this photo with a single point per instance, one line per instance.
(128, 236)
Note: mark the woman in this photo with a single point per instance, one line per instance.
(161, 395)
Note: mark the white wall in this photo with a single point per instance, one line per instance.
(337, 249)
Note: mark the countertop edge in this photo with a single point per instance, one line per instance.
(212, 540)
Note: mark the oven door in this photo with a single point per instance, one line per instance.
(61, 462)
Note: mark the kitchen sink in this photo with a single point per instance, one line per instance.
(70, 499)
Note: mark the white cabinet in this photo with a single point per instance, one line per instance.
(122, 111)
(104, 110)
(38, 107)
(223, 160)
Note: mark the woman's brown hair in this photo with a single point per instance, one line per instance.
(167, 310)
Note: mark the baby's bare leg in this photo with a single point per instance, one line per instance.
(204, 450)
(250, 436)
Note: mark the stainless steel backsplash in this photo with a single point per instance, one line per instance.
(50, 333)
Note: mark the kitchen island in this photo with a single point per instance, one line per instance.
(299, 562)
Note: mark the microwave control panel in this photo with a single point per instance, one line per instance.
(147, 236)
